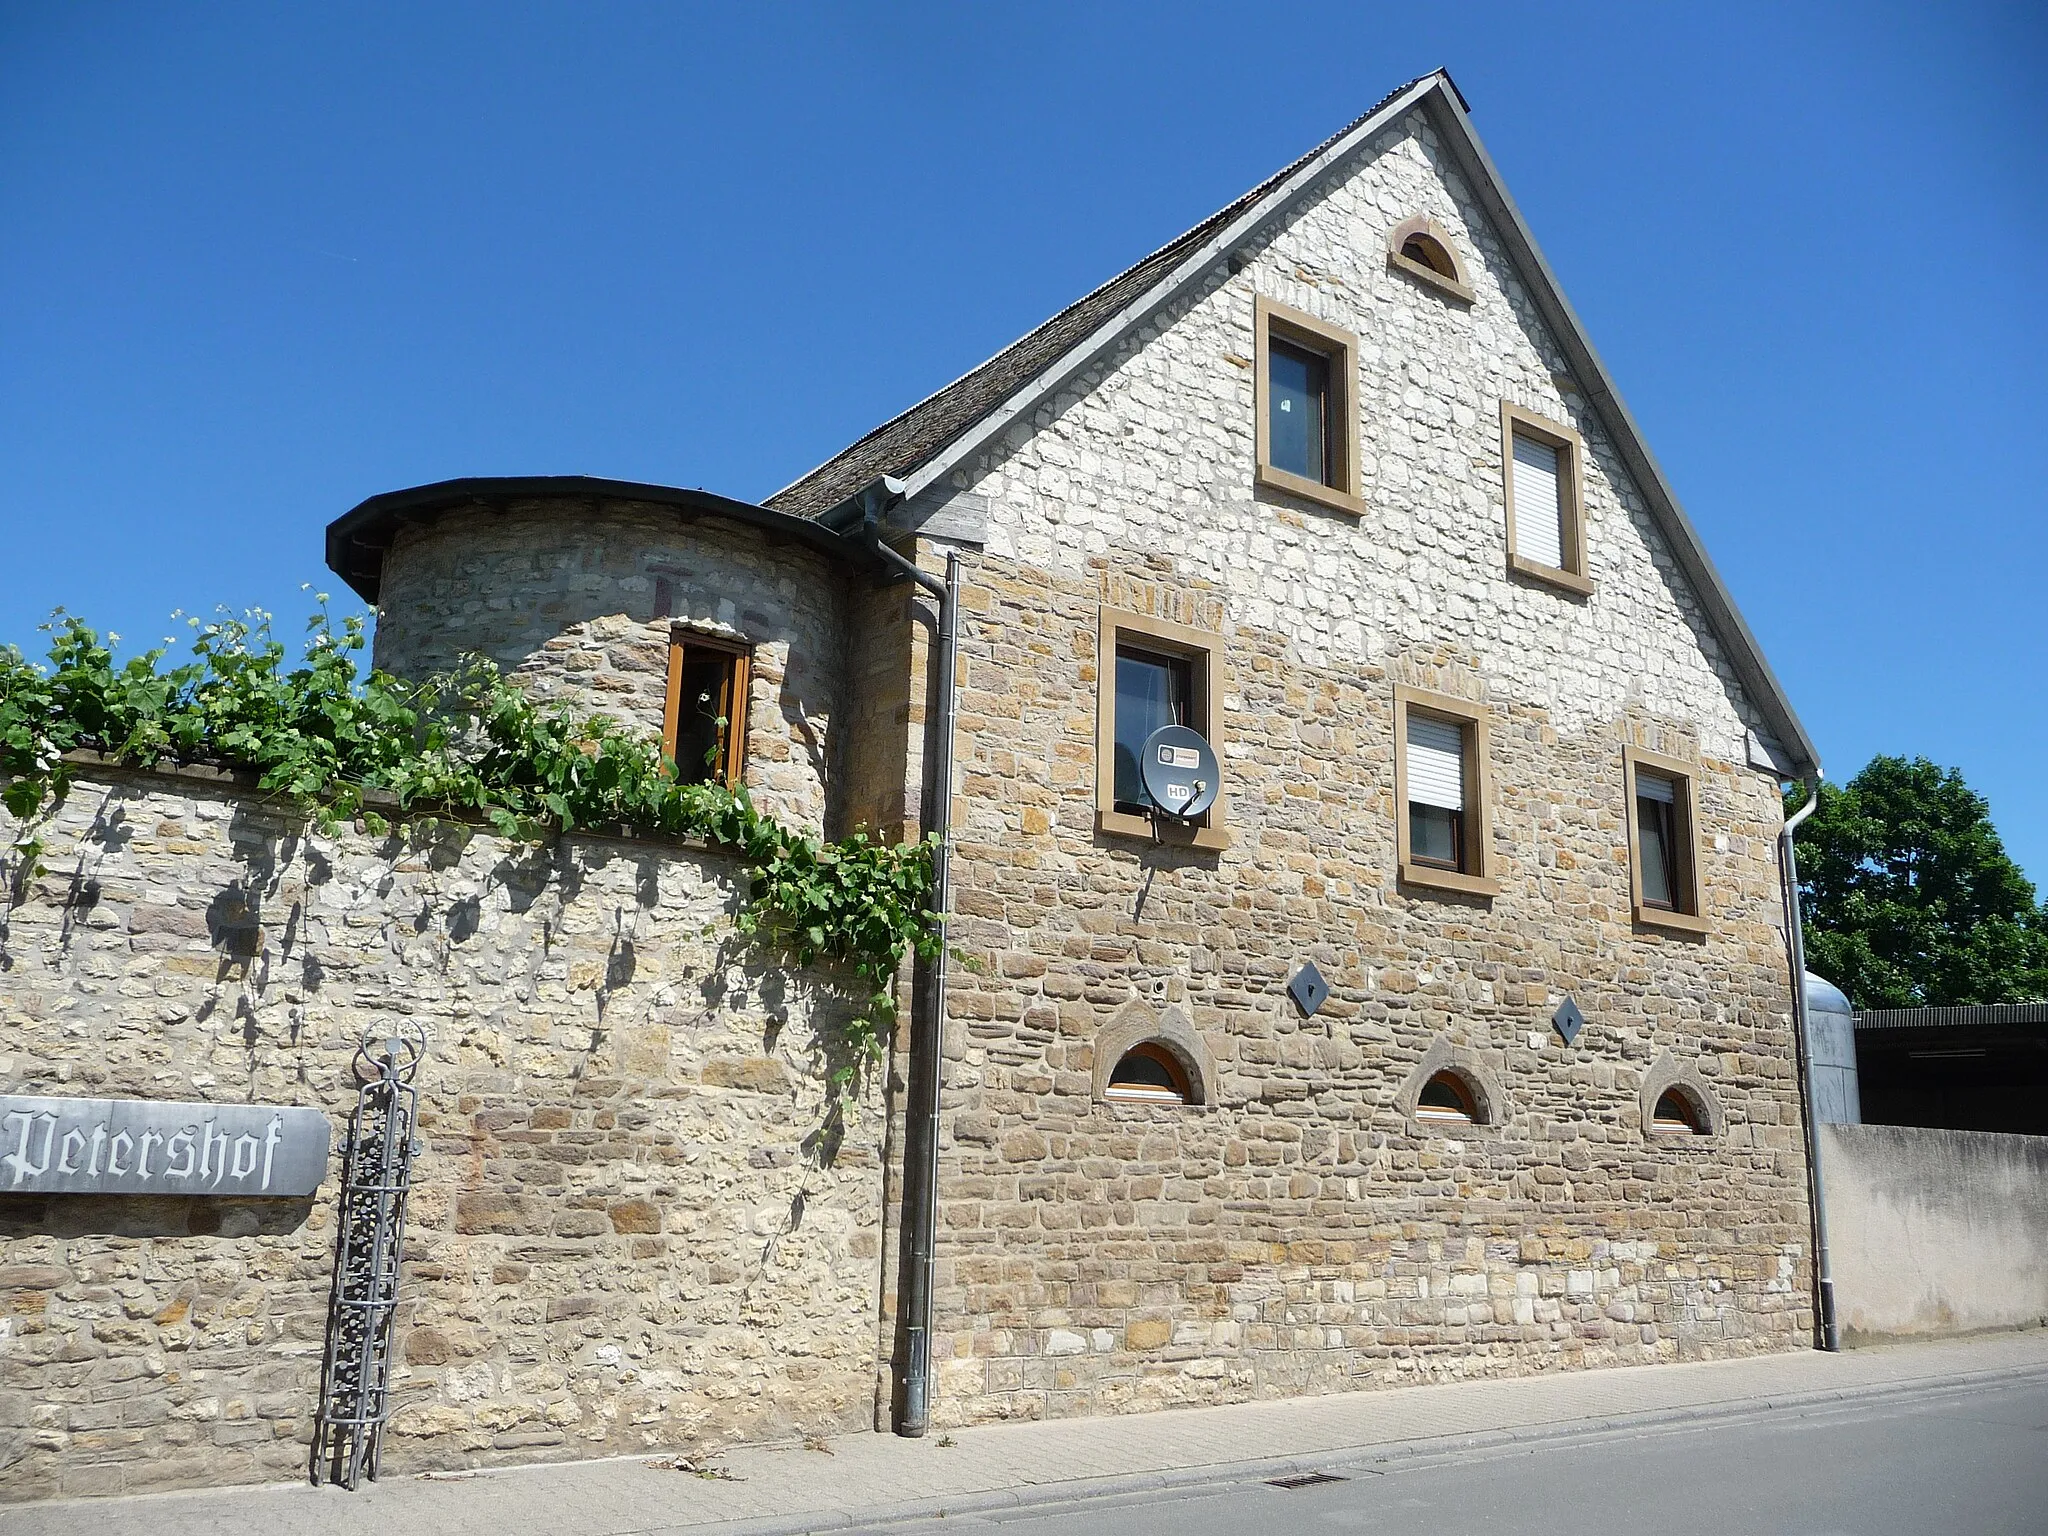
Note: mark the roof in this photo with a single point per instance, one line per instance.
(924, 443)
(1980, 1016)
(900, 444)
(357, 540)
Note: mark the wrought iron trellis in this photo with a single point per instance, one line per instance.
(355, 1376)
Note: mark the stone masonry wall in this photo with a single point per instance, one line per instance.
(1152, 451)
(576, 600)
(881, 740)
(634, 1223)
(1300, 1232)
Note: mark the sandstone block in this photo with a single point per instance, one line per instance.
(33, 1277)
(754, 1074)
(427, 1346)
(1024, 1147)
(636, 1216)
(488, 1211)
(429, 1419)
(1148, 1333)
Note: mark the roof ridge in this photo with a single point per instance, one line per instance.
(926, 442)
(827, 488)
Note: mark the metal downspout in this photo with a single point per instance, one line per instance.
(928, 1006)
(1816, 1186)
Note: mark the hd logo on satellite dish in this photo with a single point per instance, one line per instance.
(1180, 772)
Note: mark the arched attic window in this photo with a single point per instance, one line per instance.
(1677, 1115)
(1148, 1074)
(1446, 1099)
(1423, 248)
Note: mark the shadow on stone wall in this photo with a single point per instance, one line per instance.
(134, 1216)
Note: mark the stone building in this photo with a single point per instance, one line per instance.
(1454, 1038)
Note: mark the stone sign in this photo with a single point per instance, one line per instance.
(159, 1147)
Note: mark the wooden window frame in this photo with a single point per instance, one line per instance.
(1114, 1092)
(1475, 720)
(1691, 1121)
(682, 638)
(1204, 652)
(1271, 319)
(1468, 1102)
(1459, 286)
(1571, 490)
(1686, 916)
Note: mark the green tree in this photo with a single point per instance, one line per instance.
(1909, 897)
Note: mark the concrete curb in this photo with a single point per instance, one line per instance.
(1085, 1490)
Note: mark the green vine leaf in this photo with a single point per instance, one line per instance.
(328, 735)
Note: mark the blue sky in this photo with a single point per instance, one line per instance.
(258, 262)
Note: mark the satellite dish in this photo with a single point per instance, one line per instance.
(1180, 772)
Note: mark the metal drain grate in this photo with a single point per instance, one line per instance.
(1305, 1480)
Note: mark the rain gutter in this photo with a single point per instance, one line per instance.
(859, 520)
(1827, 1331)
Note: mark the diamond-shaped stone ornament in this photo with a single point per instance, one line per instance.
(1568, 1021)
(1308, 989)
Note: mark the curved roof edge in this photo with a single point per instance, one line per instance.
(357, 540)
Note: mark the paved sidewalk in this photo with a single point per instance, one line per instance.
(868, 1478)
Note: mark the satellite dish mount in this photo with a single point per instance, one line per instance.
(1181, 775)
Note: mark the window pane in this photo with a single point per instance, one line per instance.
(1539, 502)
(1653, 829)
(1151, 691)
(1300, 395)
(1434, 835)
(703, 698)
(1436, 763)
(1146, 1069)
(1443, 1097)
(1673, 1115)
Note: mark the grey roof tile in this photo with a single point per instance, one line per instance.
(902, 443)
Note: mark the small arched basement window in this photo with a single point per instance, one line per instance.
(1148, 1074)
(1445, 1099)
(1677, 1115)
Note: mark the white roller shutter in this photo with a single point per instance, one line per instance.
(1436, 764)
(1539, 530)
(1654, 786)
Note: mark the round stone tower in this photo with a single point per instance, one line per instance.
(586, 591)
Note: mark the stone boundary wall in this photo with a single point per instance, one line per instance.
(635, 1223)
(1935, 1232)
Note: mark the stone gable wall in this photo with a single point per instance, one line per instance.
(634, 1223)
(1299, 1232)
(1152, 451)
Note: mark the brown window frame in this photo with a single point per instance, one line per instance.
(1686, 914)
(1467, 1112)
(1477, 876)
(682, 641)
(1456, 284)
(1273, 321)
(1203, 650)
(1689, 1120)
(1115, 1092)
(1572, 576)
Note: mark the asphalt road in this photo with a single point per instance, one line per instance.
(1955, 1462)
